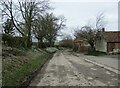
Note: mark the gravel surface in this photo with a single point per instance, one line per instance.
(65, 69)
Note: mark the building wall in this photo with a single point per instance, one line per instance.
(113, 47)
(117, 45)
(82, 46)
(101, 45)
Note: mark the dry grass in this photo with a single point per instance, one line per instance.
(15, 68)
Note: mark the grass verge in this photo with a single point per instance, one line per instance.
(96, 53)
(17, 77)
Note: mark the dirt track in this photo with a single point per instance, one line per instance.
(65, 69)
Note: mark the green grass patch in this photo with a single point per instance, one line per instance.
(17, 76)
(96, 53)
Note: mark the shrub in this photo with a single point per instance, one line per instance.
(96, 53)
(13, 41)
(13, 51)
(51, 49)
(67, 43)
(7, 39)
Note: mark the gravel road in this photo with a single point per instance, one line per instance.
(65, 69)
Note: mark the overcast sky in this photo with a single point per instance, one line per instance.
(82, 12)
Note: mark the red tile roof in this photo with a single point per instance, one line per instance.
(112, 36)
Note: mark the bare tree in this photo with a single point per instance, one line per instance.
(39, 30)
(100, 21)
(47, 27)
(54, 26)
(27, 12)
(90, 34)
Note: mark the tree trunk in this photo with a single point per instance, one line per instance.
(28, 27)
(25, 41)
(92, 46)
(50, 42)
(40, 43)
(29, 41)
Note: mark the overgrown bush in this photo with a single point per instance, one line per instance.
(67, 43)
(7, 39)
(6, 51)
(13, 41)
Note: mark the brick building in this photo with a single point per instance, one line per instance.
(81, 45)
(110, 42)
